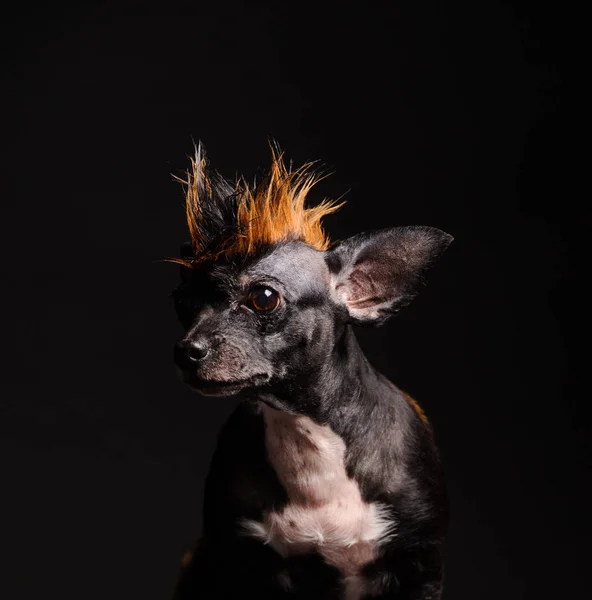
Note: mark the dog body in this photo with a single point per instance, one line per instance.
(326, 481)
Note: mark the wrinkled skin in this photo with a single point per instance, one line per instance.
(247, 349)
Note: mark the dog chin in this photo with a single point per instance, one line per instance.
(207, 387)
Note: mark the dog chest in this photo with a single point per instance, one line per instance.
(325, 511)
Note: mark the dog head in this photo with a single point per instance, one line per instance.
(264, 297)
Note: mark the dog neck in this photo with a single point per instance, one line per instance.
(345, 383)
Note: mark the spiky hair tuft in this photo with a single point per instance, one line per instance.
(239, 219)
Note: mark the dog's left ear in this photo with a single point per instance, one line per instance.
(375, 274)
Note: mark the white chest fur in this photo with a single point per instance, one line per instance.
(325, 512)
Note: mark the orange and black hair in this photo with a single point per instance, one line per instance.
(227, 219)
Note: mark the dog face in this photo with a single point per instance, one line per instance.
(254, 324)
(277, 317)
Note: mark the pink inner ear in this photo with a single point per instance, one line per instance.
(360, 302)
(365, 302)
(361, 290)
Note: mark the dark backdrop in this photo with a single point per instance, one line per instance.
(445, 114)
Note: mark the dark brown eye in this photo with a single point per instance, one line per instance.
(263, 299)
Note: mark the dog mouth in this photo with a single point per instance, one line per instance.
(229, 387)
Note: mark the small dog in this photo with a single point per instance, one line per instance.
(326, 482)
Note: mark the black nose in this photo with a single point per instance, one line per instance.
(188, 353)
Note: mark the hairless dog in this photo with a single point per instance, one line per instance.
(326, 482)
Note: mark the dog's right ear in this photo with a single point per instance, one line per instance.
(186, 251)
(373, 275)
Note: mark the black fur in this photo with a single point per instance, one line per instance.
(304, 358)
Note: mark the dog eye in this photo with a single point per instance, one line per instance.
(263, 299)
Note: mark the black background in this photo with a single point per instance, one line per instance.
(446, 114)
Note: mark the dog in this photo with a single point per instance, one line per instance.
(326, 482)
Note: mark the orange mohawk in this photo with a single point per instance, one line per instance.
(237, 220)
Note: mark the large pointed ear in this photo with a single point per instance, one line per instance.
(374, 275)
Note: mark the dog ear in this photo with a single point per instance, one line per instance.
(376, 274)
